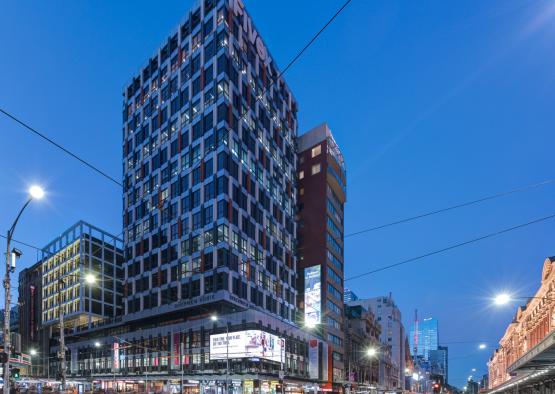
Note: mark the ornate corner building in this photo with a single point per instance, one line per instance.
(524, 362)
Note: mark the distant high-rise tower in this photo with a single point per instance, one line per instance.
(349, 295)
(428, 337)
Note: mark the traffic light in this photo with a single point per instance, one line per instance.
(436, 388)
(15, 373)
(3, 358)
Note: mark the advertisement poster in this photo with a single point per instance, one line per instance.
(247, 344)
(312, 295)
(313, 369)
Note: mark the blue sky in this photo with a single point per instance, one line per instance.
(433, 103)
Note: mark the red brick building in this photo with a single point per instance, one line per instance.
(321, 198)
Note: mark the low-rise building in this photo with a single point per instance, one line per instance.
(362, 335)
(82, 251)
(392, 337)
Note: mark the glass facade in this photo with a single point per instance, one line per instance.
(82, 250)
(428, 338)
(209, 166)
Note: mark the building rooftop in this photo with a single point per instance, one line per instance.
(75, 232)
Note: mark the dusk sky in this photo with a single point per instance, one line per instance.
(433, 104)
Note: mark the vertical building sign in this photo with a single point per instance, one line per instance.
(31, 313)
(312, 295)
(116, 356)
(176, 350)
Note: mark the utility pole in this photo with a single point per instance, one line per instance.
(7, 299)
(182, 353)
(62, 337)
(227, 357)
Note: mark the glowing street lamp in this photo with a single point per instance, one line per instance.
(96, 344)
(36, 192)
(310, 323)
(502, 299)
(90, 279)
(372, 352)
(33, 352)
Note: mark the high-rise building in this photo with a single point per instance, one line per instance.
(392, 337)
(209, 172)
(425, 339)
(209, 221)
(322, 195)
(349, 295)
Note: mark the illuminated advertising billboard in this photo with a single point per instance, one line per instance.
(312, 295)
(247, 344)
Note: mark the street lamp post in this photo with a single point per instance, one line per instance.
(35, 192)
(215, 318)
(90, 279)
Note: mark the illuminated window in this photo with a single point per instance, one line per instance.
(301, 174)
(316, 169)
(316, 150)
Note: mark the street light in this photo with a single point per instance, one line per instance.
(33, 352)
(505, 298)
(310, 324)
(90, 279)
(215, 318)
(372, 352)
(502, 299)
(35, 193)
(97, 344)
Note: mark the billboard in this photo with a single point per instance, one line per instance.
(313, 365)
(247, 344)
(312, 295)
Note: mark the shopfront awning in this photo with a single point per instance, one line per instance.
(528, 379)
(540, 357)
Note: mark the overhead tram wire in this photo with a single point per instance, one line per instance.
(458, 245)
(57, 145)
(452, 207)
(40, 249)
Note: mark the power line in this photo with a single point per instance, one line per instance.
(299, 54)
(23, 243)
(41, 249)
(458, 245)
(313, 39)
(57, 145)
(461, 205)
